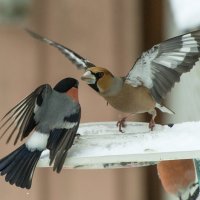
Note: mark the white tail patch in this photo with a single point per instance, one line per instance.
(164, 109)
(37, 141)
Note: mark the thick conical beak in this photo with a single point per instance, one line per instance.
(88, 77)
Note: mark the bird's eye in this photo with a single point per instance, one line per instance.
(99, 74)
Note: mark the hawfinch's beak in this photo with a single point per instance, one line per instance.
(88, 77)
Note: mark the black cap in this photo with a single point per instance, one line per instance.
(66, 84)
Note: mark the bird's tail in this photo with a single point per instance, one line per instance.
(164, 109)
(19, 166)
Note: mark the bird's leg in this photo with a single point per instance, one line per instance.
(152, 122)
(121, 123)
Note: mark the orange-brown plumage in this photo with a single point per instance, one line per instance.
(73, 93)
(132, 100)
(176, 175)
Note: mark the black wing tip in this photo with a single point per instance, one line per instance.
(59, 162)
(59, 46)
(34, 34)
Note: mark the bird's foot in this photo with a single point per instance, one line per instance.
(78, 135)
(152, 124)
(121, 124)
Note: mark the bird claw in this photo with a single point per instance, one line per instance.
(78, 135)
(152, 124)
(121, 124)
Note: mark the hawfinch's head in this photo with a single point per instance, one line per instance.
(100, 79)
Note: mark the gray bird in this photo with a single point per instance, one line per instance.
(54, 116)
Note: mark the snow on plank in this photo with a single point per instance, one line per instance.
(101, 145)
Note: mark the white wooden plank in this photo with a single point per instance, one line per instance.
(101, 145)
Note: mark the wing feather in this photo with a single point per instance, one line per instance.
(80, 62)
(160, 68)
(21, 116)
(61, 140)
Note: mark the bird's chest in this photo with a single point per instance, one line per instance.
(53, 114)
(132, 100)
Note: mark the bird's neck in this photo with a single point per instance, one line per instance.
(115, 87)
(73, 93)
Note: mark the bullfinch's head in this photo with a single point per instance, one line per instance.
(68, 86)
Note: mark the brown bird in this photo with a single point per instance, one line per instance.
(178, 177)
(149, 80)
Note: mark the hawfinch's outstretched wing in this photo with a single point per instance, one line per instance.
(160, 68)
